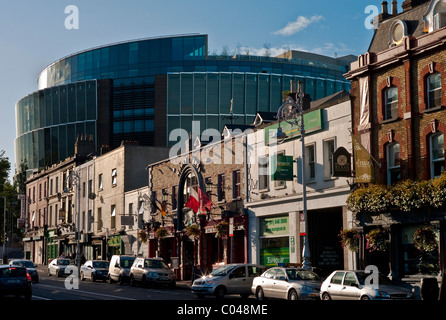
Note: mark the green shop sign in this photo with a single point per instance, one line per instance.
(114, 241)
(275, 226)
(282, 168)
(312, 123)
(270, 257)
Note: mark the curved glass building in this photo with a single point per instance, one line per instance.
(141, 90)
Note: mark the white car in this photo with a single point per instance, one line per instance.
(352, 285)
(228, 279)
(288, 283)
(57, 267)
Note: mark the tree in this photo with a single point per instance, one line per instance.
(267, 47)
(5, 167)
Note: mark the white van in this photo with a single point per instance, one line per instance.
(119, 269)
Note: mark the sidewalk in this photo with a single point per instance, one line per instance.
(43, 269)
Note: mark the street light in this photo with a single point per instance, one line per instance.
(74, 179)
(292, 112)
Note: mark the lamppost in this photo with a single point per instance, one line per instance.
(74, 179)
(292, 112)
(5, 256)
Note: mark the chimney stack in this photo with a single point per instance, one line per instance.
(384, 7)
(394, 8)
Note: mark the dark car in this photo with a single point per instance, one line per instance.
(95, 270)
(30, 267)
(15, 280)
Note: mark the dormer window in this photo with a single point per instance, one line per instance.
(435, 17)
(398, 31)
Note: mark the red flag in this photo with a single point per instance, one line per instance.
(192, 201)
(205, 202)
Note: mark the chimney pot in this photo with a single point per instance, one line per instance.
(384, 7)
(394, 7)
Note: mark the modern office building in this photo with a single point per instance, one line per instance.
(143, 89)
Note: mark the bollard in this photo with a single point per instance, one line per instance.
(429, 289)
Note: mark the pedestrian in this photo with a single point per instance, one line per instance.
(83, 259)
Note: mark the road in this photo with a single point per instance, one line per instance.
(63, 288)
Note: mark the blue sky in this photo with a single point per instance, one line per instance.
(33, 33)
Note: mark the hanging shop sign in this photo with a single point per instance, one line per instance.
(282, 168)
(342, 163)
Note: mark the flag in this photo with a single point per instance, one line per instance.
(192, 201)
(156, 208)
(205, 202)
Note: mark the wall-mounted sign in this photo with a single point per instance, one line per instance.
(342, 163)
(275, 226)
(282, 168)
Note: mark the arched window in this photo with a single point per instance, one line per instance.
(437, 154)
(393, 163)
(391, 103)
(434, 90)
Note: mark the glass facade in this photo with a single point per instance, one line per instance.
(199, 87)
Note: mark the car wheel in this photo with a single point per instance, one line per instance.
(364, 298)
(260, 294)
(82, 276)
(292, 295)
(326, 296)
(132, 280)
(37, 280)
(92, 277)
(220, 292)
(110, 280)
(120, 281)
(49, 273)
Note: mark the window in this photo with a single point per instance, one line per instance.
(174, 197)
(437, 154)
(434, 90)
(99, 225)
(100, 186)
(114, 181)
(329, 148)
(130, 208)
(236, 185)
(208, 183)
(153, 202)
(310, 159)
(113, 217)
(263, 173)
(391, 103)
(337, 278)
(349, 279)
(221, 187)
(393, 163)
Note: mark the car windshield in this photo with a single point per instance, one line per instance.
(362, 276)
(12, 272)
(26, 264)
(222, 271)
(155, 264)
(63, 262)
(126, 262)
(298, 274)
(100, 264)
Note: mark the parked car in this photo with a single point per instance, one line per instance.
(289, 283)
(150, 271)
(351, 285)
(15, 280)
(228, 279)
(57, 267)
(30, 267)
(95, 270)
(119, 269)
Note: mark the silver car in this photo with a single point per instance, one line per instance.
(95, 270)
(288, 283)
(57, 267)
(228, 279)
(150, 271)
(355, 285)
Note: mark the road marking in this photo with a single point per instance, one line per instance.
(87, 292)
(41, 298)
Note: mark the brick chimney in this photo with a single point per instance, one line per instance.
(394, 8)
(409, 4)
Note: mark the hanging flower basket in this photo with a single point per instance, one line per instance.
(142, 236)
(376, 240)
(222, 229)
(193, 230)
(161, 232)
(425, 240)
(350, 239)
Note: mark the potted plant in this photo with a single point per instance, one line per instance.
(425, 240)
(222, 229)
(376, 240)
(350, 239)
(161, 232)
(193, 230)
(142, 236)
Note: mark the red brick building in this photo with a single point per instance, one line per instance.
(399, 115)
